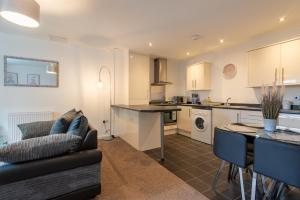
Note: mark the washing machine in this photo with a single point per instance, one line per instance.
(201, 125)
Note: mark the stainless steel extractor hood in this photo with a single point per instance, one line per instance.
(160, 71)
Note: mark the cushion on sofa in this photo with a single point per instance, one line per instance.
(62, 124)
(79, 126)
(35, 129)
(39, 148)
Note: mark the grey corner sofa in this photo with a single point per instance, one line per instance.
(74, 176)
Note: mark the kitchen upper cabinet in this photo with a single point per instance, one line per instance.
(264, 66)
(184, 119)
(139, 79)
(279, 63)
(198, 76)
(290, 62)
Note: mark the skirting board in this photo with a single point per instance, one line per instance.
(185, 133)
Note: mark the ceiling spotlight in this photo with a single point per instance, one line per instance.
(150, 44)
(221, 41)
(188, 53)
(281, 19)
(21, 12)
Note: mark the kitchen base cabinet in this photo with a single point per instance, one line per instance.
(184, 120)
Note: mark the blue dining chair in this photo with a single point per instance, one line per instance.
(277, 160)
(231, 147)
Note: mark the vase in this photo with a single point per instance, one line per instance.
(270, 125)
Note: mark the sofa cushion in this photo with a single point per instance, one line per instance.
(79, 126)
(35, 129)
(62, 124)
(39, 148)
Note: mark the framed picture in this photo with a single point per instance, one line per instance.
(33, 79)
(11, 78)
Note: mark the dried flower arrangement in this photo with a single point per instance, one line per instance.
(272, 97)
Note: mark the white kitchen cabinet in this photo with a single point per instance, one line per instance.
(264, 66)
(184, 119)
(289, 120)
(279, 63)
(290, 62)
(198, 76)
(224, 116)
(251, 117)
(139, 79)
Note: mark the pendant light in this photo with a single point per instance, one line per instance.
(22, 12)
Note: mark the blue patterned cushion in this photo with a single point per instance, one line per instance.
(62, 124)
(35, 129)
(39, 148)
(79, 126)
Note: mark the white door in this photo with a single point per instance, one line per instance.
(290, 62)
(264, 66)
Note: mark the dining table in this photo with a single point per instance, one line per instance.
(253, 131)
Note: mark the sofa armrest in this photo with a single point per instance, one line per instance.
(90, 141)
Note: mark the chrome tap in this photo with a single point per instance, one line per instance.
(227, 101)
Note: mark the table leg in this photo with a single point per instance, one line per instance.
(162, 137)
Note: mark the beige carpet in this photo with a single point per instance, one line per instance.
(130, 174)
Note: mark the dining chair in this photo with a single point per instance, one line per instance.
(231, 147)
(277, 160)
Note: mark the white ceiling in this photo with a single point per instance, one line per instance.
(168, 24)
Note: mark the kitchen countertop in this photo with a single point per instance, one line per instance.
(249, 107)
(148, 108)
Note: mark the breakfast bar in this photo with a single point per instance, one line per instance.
(142, 126)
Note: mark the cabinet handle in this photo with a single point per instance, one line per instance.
(192, 84)
(189, 112)
(238, 118)
(195, 84)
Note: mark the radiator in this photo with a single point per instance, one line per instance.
(14, 133)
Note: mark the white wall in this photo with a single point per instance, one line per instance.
(175, 75)
(95, 101)
(26, 99)
(236, 88)
(79, 68)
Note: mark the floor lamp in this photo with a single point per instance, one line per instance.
(100, 85)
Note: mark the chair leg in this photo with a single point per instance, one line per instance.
(217, 176)
(242, 183)
(263, 181)
(229, 177)
(269, 190)
(253, 190)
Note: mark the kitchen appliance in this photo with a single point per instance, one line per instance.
(195, 98)
(160, 72)
(170, 118)
(201, 125)
(179, 99)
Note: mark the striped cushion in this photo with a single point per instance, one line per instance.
(39, 148)
(35, 129)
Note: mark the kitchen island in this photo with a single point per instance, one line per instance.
(142, 126)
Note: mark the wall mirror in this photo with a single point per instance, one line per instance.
(27, 72)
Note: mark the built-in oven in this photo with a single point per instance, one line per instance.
(170, 118)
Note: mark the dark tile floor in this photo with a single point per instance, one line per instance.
(195, 163)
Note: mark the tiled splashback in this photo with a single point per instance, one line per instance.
(157, 93)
